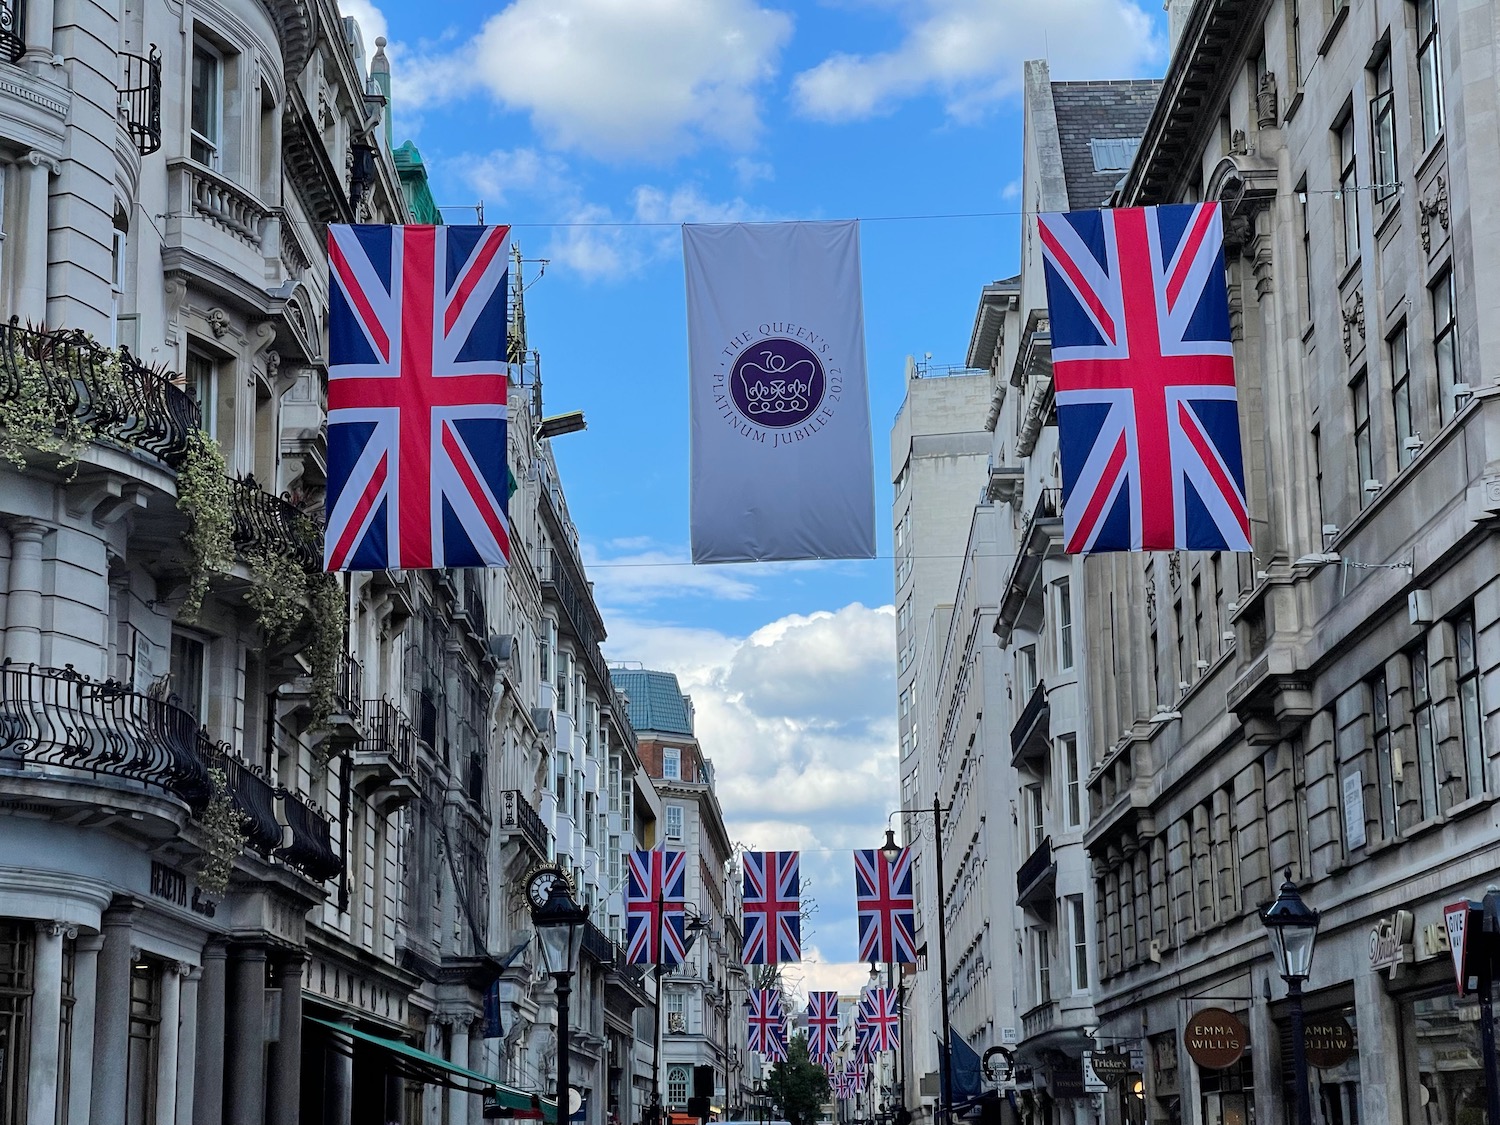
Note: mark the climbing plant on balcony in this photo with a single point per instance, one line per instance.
(203, 493)
(278, 592)
(224, 830)
(49, 382)
(329, 621)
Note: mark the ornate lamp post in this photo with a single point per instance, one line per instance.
(1293, 929)
(559, 923)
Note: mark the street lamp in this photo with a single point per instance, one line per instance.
(559, 926)
(1293, 928)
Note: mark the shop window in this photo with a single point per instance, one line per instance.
(1441, 1033)
(1228, 1095)
(17, 953)
(144, 1044)
(1421, 719)
(1471, 714)
(1333, 1086)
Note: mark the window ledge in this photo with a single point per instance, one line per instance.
(1466, 807)
(1349, 273)
(1292, 106)
(1332, 33)
(1430, 156)
(1392, 214)
(1307, 331)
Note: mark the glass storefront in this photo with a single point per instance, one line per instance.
(1444, 1062)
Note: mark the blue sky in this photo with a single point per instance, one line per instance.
(597, 112)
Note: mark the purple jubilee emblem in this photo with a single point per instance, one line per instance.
(777, 383)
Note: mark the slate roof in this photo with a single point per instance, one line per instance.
(656, 702)
(1088, 111)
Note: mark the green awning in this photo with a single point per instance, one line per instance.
(419, 1066)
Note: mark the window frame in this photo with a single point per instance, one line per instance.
(1432, 117)
(213, 143)
(1384, 153)
(671, 763)
(197, 703)
(1420, 678)
(1036, 817)
(1348, 189)
(1445, 345)
(1041, 961)
(1364, 447)
(1078, 937)
(1467, 691)
(1072, 777)
(1398, 352)
(1062, 597)
(668, 815)
(1387, 763)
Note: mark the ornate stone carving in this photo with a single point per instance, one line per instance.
(1174, 569)
(1151, 602)
(218, 322)
(1238, 144)
(273, 364)
(1265, 101)
(1434, 208)
(1353, 327)
(1236, 313)
(61, 929)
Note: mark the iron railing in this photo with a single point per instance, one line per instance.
(253, 796)
(55, 719)
(350, 688)
(12, 29)
(390, 734)
(140, 99)
(473, 604)
(597, 945)
(311, 847)
(261, 521)
(1036, 865)
(516, 814)
(1031, 714)
(124, 400)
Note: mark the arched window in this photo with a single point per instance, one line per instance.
(677, 1085)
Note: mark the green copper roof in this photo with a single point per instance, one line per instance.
(413, 175)
(656, 702)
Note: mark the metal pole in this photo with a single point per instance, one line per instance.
(1299, 1053)
(946, 1107)
(657, 1116)
(1487, 1039)
(564, 1034)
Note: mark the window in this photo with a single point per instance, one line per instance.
(1064, 604)
(1470, 714)
(1445, 350)
(1026, 672)
(614, 783)
(560, 782)
(116, 282)
(188, 667)
(1383, 135)
(1200, 637)
(1067, 749)
(1430, 71)
(1317, 451)
(1387, 761)
(1364, 463)
(1294, 47)
(208, 104)
(564, 682)
(1036, 826)
(1042, 960)
(1079, 936)
(17, 946)
(591, 729)
(677, 1076)
(546, 646)
(1307, 301)
(671, 763)
(201, 382)
(674, 822)
(141, 1053)
(1348, 192)
(1182, 646)
(1406, 434)
(1421, 721)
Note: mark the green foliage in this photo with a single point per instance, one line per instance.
(799, 1086)
(330, 618)
(203, 494)
(58, 378)
(224, 827)
(278, 592)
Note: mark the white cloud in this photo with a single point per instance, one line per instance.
(371, 22)
(649, 79)
(1011, 191)
(749, 172)
(969, 52)
(502, 174)
(799, 720)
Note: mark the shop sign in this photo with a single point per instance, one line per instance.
(1390, 942)
(172, 885)
(1215, 1038)
(1328, 1041)
(1065, 1078)
(1105, 1067)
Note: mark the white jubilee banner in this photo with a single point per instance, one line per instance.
(781, 458)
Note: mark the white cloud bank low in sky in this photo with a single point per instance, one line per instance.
(970, 53)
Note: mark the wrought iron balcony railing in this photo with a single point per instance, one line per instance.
(140, 99)
(12, 29)
(517, 815)
(56, 720)
(253, 796)
(311, 848)
(390, 736)
(1034, 869)
(350, 689)
(121, 399)
(261, 521)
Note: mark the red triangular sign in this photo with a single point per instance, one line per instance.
(1456, 918)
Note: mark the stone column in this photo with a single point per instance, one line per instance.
(23, 624)
(167, 1040)
(187, 1044)
(286, 1055)
(4, 567)
(1378, 1017)
(245, 1059)
(476, 1064)
(31, 265)
(112, 1017)
(38, 33)
(338, 1098)
(85, 991)
(46, 1020)
(208, 1085)
(458, 1055)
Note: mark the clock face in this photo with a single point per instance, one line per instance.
(539, 886)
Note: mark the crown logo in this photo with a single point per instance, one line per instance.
(775, 386)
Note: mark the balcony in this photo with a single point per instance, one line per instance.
(596, 944)
(253, 796)
(140, 99)
(349, 690)
(517, 815)
(1041, 537)
(272, 524)
(1032, 374)
(386, 757)
(1030, 737)
(58, 722)
(1036, 878)
(120, 401)
(1039, 1020)
(473, 604)
(311, 849)
(12, 29)
(201, 198)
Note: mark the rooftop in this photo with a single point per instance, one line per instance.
(1100, 125)
(656, 701)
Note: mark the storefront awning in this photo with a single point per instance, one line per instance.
(419, 1066)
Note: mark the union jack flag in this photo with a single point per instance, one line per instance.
(864, 1035)
(1147, 421)
(654, 891)
(822, 1026)
(417, 384)
(883, 1018)
(777, 1044)
(887, 912)
(765, 1018)
(773, 908)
